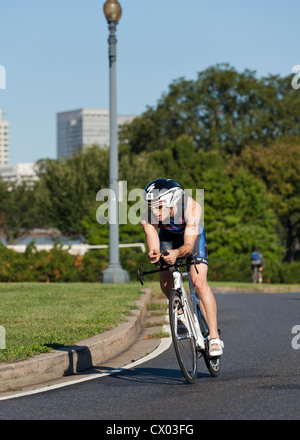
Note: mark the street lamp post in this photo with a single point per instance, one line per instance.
(114, 272)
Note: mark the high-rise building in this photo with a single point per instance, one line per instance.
(80, 129)
(3, 141)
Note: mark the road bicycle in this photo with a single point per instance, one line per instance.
(189, 329)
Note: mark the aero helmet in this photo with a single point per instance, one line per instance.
(163, 190)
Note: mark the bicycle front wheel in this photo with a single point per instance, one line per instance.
(183, 339)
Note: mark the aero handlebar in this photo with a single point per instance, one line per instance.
(163, 266)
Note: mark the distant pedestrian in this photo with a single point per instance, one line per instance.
(257, 265)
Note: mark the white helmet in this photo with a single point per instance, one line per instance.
(163, 190)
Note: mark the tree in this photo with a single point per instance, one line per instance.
(18, 210)
(278, 166)
(68, 187)
(221, 110)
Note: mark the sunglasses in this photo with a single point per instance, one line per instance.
(157, 207)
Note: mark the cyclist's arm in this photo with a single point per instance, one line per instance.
(192, 218)
(152, 239)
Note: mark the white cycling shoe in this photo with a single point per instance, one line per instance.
(215, 347)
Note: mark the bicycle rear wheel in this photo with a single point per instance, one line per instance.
(255, 276)
(184, 342)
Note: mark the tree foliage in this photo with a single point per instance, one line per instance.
(278, 166)
(221, 110)
(67, 188)
(18, 209)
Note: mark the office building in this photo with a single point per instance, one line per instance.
(18, 172)
(4, 148)
(80, 129)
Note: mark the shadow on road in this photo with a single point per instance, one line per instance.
(146, 376)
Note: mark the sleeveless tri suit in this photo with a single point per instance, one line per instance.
(171, 234)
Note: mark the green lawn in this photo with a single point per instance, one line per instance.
(39, 317)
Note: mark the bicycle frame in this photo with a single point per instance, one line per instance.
(193, 323)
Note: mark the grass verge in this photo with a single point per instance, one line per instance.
(39, 317)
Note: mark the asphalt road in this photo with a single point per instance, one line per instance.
(259, 379)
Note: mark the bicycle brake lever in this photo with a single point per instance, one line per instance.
(161, 261)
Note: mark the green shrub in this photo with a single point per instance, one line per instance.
(57, 265)
(238, 269)
(291, 272)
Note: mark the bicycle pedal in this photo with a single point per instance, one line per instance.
(214, 358)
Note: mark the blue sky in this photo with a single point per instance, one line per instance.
(55, 53)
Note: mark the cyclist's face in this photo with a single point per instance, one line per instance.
(160, 210)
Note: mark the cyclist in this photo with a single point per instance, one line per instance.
(257, 261)
(181, 234)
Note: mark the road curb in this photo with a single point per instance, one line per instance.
(84, 354)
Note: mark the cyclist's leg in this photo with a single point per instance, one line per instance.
(206, 297)
(201, 286)
(166, 283)
(166, 278)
